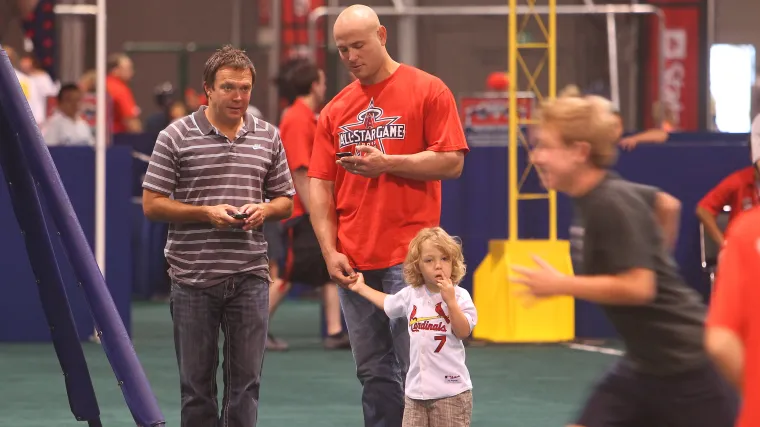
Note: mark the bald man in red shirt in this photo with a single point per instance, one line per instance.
(382, 147)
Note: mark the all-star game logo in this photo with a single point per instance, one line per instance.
(371, 128)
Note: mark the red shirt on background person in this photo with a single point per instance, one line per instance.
(740, 191)
(125, 111)
(297, 129)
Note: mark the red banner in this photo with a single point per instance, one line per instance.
(485, 118)
(680, 83)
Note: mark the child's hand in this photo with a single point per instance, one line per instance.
(358, 284)
(447, 290)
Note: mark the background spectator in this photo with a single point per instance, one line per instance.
(125, 110)
(66, 126)
(44, 86)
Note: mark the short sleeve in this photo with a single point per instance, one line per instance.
(296, 139)
(623, 228)
(278, 180)
(726, 306)
(322, 164)
(442, 124)
(648, 193)
(467, 306)
(719, 196)
(162, 171)
(397, 305)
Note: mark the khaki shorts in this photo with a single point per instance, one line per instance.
(454, 411)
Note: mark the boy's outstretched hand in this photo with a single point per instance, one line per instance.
(544, 281)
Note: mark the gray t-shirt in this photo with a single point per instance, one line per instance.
(577, 231)
(615, 230)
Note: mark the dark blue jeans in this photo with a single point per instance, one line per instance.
(380, 347)
(240, 307)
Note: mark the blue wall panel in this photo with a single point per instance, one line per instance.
(21, 315)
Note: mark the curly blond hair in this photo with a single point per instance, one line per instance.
(579, 118)
(445, 243)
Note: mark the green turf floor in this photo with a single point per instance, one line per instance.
(526, 386)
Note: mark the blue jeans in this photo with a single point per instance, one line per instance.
(240, 307)
(380, 347)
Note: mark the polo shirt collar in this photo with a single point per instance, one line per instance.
(206, 128)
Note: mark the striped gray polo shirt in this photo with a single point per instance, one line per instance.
(197, 165)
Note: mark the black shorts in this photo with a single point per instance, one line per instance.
(305, 263)
(625, 398)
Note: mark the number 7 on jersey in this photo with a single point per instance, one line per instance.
(442, 341)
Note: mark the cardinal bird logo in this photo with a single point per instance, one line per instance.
(440, 312)
(413, 315)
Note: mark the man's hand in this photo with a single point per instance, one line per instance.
(368, 161)
(543, 282)
(220, 216)
(447, 290)
(340, 270)
(257, 214)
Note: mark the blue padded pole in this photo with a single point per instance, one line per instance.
(55, 303)
(116, 343)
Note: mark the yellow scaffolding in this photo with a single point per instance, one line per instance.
(504, 316)
(516, 122)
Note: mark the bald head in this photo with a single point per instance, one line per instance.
(357, 17)
(361, 39)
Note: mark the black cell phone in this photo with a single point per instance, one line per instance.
(342, 154)
(240, 215)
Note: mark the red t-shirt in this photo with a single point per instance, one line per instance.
(124, 106)
(297, 128)
(733, 304)
(409, 112)
(738, 190)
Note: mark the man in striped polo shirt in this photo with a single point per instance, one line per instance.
(210, 176)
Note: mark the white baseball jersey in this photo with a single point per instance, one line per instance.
(436, 358)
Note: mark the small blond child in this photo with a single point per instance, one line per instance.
(441, 314)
